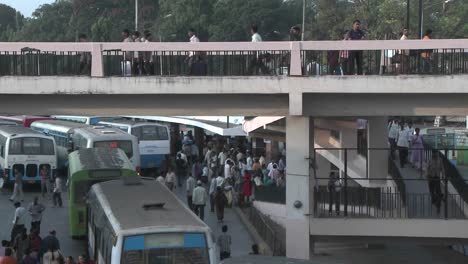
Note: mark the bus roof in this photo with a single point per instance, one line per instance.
(25, 120)
(125, 122)
(17, 130)
(273, 260)
(98, 132)
(58, 125)
(98, 159)
(126, 203)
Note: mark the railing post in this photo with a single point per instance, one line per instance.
(446, 188)
(295, 63)
(345, 182)
(97, 66)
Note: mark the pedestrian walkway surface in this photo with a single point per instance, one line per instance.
(418, 199)
(241, 239)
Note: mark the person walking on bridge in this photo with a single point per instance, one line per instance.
(403, 145)
(417, 148)
(433, 171)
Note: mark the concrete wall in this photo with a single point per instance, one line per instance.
(269, 95)
(276, 212)
(396, 228)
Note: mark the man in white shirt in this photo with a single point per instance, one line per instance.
(255, 36)
(18, 221)
(192, 55)
(227, 169)
(190, 187)
(256, 65)
(392, 137)
(200, 197)
(404, 54)
(249, 161)
(127, 38)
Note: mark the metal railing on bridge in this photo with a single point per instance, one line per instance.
(406, 192)
(308, 58)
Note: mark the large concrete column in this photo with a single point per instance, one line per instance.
(299, 142)
(377, 138)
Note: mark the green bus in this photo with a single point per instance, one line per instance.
(87, 167)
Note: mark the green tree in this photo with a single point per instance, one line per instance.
(273, 17)
(10, 22)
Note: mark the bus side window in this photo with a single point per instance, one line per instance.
(2, 150)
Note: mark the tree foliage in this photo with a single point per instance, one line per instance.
(229, 20)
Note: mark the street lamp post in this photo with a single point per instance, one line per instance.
(407, 14)
(303, 18)
(421, 13)
(136, 15)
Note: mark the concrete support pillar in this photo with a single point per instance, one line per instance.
(299, 186)
(377, 138)
(97, 65)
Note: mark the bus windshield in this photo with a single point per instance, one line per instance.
(31, 146)
(126, 146)
(165, 248)
(145, 133)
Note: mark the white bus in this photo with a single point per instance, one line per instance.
(62, 132)
(27, 151)
(101, 137)
(145, 223)
(153, 139)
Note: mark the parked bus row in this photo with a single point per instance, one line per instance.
(153, 139)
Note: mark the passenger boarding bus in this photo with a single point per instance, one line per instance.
(62, 132)
(89, 120)
(87, 167)
(24, 120)
(145, 223)
(27, 151)
(153, 140)
(100, 136)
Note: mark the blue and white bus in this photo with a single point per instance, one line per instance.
(154, 141)
(27, 151)
(145, 223)
(62, 132)
(88, 120)
(102, 137)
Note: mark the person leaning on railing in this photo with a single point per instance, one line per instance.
(355, 55)
(334, 189)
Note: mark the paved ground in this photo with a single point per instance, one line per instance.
(241, 240)
(53, 218)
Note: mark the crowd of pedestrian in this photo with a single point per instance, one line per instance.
(219, 176)
(25, 244)
(409, 143)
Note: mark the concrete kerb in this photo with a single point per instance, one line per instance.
(264, 248)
